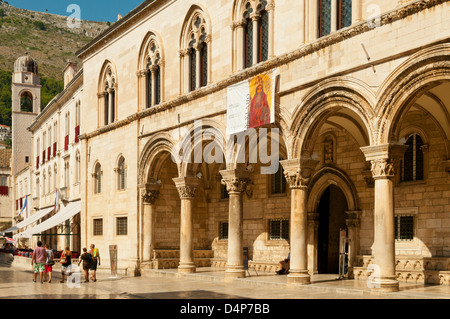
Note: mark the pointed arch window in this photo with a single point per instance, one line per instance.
(121, 174)
(256, 35)
(413, 159)
(195, 52)
(77, 167)
(108, 96)
(97, 179)
(151, 72)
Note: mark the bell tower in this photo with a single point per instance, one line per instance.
(26, 105)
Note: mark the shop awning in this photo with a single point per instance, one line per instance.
(36, 216)
(60, 217)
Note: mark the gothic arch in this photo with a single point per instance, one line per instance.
(194, 139)
(421, 73)
(341, 102)
(107, 93)
(323, 179)
(108, 68)
(156, 151)
(195, 49)
(150, 71)
(151, 46)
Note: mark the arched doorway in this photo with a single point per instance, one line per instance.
(332, 216)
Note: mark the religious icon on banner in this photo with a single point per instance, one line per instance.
(260, 100)
(251, 103)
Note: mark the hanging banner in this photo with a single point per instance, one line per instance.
(251, 103)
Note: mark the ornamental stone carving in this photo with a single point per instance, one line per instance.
(186, 186)
(296, 180)
(383, 168)
(298, 172)
(235, 184)
(150, 196)
(236, 180)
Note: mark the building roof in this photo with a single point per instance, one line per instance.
(126, 20)
(5, 157)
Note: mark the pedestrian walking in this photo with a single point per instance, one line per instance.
(66, 263)
(38, 261)
(48, 264)
(87, 260)
(95, 261)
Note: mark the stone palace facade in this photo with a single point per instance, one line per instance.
(362, 107)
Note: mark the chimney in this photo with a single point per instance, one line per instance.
(69, 72)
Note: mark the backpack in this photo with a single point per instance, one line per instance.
(95, 252)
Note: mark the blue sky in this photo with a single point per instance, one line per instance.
(93, 10)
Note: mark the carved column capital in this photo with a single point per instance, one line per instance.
(150, 193)
(270, 6)
(238, 24)
(254, 16)
(383, 168)
(383, 158)
(150, 197)
(298, 172)
(186, 186)
(236, 180)
(183, 52)
(353, 219)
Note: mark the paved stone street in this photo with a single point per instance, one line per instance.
(207, 284)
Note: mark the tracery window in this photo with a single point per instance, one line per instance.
(121, 174)
(97, 179)
(195, 52)
(252, 39)
(256, 36)
(153, 64)
(107, 95)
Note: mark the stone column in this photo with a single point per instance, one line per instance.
(356, 11)
(382, 158)
(236, 181)
(334, 13)
(298, 173)
(198, 66)
(152, 88)
(302, 21)
(271, 10)
(240, 45)
(313, 242)
(162, 66)
(186, 187)
(353, 224)
(255, 18)
(149, 196)
(110, 106)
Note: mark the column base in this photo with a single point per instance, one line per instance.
(384, 285)
(299, 277)
(186, 268)
(235, 272)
